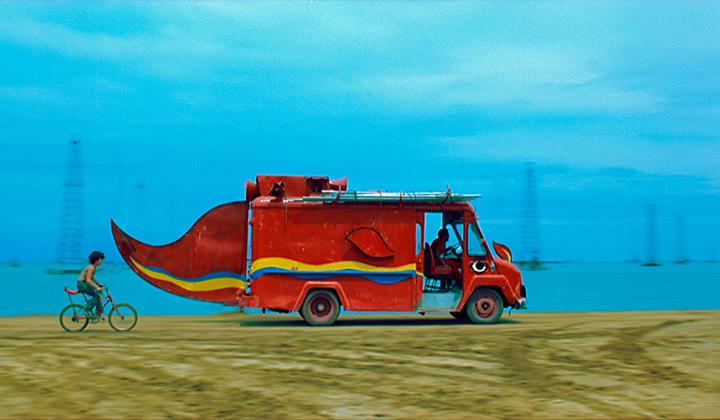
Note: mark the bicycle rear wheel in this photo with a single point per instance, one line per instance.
(123, 317)
(73, 318)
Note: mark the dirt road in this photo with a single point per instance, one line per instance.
(531, 365)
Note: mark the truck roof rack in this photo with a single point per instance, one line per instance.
(328, 196)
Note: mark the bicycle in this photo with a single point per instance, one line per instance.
(74, 317)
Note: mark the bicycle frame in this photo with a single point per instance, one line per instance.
(74, 317)
(104, 300)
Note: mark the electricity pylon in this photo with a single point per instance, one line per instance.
(651, 259)
(71, 216)
(530, 223)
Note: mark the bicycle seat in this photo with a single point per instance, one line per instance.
(71, 292)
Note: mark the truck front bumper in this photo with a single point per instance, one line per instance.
(520, 303)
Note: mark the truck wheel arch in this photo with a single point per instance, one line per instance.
(498, 289)
(333, 286)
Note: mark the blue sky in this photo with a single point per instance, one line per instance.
(176, 104)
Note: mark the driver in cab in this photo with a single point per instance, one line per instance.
(438, 247)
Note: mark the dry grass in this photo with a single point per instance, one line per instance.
(531, 365)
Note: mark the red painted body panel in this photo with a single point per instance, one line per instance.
(316, 233)
(304, 242)
(282, 292)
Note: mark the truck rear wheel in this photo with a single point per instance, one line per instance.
(321, 307)
(485, 306)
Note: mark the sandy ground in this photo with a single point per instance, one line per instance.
(531, 365)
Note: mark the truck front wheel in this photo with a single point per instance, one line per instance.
(485, 306)
(321, 307)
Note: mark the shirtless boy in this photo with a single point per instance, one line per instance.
(88, 285)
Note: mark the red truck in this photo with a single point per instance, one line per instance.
(314, 247)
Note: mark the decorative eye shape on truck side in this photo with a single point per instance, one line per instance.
(478, 266)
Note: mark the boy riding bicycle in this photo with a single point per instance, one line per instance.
(87, 284)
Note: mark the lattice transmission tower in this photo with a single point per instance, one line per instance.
(71, 216)
(681, 257)
(651, 258)
(530, 222)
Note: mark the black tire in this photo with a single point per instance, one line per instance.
(123, 317)
(73, 318)
(461, 316)
(485, 306)
(321, 308)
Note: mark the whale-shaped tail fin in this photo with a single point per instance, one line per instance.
(208, 263)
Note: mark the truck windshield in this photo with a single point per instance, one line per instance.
(474, 242)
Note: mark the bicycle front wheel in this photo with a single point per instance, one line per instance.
(73, 318)
(123, 317)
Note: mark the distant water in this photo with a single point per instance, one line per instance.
(623, 287)
(30, 289)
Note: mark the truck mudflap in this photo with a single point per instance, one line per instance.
(208, 263)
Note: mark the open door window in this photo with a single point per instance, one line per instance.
(475, 246)
(453, 222)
